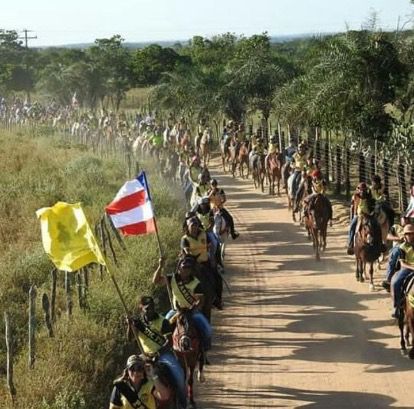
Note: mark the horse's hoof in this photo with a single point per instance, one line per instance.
(371, 287)
(404, 351)
(200, 377)
(362, 280)
(318, 257)
(357, 278)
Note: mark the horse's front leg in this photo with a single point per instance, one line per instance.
(371, 277)
(190, 390)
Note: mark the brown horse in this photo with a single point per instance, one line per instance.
(243, 159)
(273, 163)
(406, 319)
(187, 347)
(318, 212)
(367, 247)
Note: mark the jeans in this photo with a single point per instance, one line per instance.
(397, 285)
(395, 254)
(203, 326)
(352, 229)
(169, 360)
(228, 218)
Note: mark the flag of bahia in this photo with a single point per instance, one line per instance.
(131, 211)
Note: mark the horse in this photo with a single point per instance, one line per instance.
(221, 230)
(258, 170)
(205, 146)
(188, 349)
(225, 151)
(273, 169)
(406, 319)
(291, 193)
(286, 172)
(243, 159)
(317, 215)
(367, 248)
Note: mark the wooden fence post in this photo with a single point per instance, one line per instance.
(373, 166)
(386, 177)
(348, 173)
(361, 168)
(32, 326)
(338, 170)
(46, 309)
(79, 288)
(326, 160)
(9, 363)
(53, 274)
(68, 291)
(402, 187)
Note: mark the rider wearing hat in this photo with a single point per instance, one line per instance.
(407, 269)
(155, 336)
(217, 199)
(299, 159)
(196, 243)
(134, 389)
(187, 293)
(396, 235)
(362, 204)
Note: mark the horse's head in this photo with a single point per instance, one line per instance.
(184, 332)
(367, 230)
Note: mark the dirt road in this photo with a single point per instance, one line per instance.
(296, 332)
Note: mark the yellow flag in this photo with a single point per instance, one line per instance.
(67, 237)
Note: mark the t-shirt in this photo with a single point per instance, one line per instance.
(125, 396)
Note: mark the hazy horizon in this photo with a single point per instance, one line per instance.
(78, 22)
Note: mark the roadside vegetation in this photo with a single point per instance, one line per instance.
(76, 367)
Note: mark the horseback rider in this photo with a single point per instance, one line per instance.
(362, 204)
(377, 190)
(137, 389)
(299, 159)
(396, 234)
(155, 335)
(318, 188)
(196, 243)
(290, 151)
(187, 293)
(217, 199)
(407, 269)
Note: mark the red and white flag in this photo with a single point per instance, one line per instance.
(131, 210)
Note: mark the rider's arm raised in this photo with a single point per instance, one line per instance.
(158, 278)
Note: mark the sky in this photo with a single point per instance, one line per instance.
(57, 22)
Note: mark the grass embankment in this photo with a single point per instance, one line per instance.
(76, 367)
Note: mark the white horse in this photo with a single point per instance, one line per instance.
(221, 230)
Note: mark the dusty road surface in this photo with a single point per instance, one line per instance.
(296, 332)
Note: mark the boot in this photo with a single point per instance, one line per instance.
(234, 235)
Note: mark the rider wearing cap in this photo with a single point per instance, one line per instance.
(318, 188)
(155, 336)
(299, 166)
(407, 269)
(196, 243)
(217, 198)
(362, 204)
(134, 389)
(396, 235)
(187, 293)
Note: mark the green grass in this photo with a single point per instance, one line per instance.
(75, 369)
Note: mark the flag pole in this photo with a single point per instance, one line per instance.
(118, 290)
(170, 297)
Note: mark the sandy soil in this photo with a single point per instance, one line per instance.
(296, 332)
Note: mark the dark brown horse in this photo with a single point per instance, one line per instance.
(258, 170)
(318, 212)
(273, 163)
(367, 247)
(187, 347)
(406, 319)
(225, 152)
